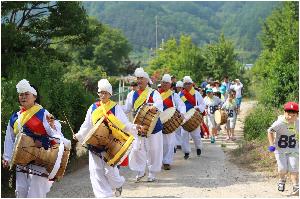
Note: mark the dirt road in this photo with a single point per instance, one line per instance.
(211, 175)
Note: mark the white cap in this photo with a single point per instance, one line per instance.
(104, 85)
(24, 86)
(139, 72)
(179, 84)
(166, 78)
(158, 85)
(187, 79)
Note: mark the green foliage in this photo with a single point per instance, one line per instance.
(44, 20)
(33, 25)
(89, 76)
(181, 59)
(185, 58)
(221, 59)
(204, 21)
(107, 51)
(276, 72)
(258, 121)
(112, 48)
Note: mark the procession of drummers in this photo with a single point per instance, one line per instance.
(165, 120)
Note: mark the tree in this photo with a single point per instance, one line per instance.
(112, 48)
(221, 59)
(34, 25)
(106, 51)
(185, 58)
(277, 69)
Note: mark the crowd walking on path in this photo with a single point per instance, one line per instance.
(166, 120)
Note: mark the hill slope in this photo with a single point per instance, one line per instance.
(204, 21)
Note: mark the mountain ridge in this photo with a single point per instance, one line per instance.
(204, 21)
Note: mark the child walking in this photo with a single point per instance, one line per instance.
(283, 136)
(231, 108)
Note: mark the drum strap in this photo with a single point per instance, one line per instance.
(25, 116)
(45, 140)
(31, 171)
(189, 96)
(97, 151)
(141, 97)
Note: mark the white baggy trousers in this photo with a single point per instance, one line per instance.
(186, 148)
(147, 152)
(32, 186)
(178, 136)
(168, 145)
(104, 178)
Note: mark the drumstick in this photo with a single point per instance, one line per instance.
(68, 123)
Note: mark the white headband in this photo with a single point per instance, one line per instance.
(166, 78)
(139, 72)
(24, 86)
(104, 85)
(179, 84)
(187, 79)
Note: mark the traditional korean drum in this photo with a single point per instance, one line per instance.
(118, 147)
(221, 116)
(171, 119)
(55, 159)
(115, 142)
(193, 119)
(146, 118)
(98, 136)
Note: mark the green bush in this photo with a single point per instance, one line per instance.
(258, 121)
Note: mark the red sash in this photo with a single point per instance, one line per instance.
(189, 97)
(168, 101)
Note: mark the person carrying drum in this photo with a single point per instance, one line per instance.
(231, 108)
(38, 124)
(170, 100)
(104, 178)
(283, 136)
(212, 103)
(191, 99)
(147, 151)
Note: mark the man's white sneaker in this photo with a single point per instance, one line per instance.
(139, 178)
(151, 179)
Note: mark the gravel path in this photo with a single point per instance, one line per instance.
(211, 175)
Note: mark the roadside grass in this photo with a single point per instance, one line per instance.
(254, 155)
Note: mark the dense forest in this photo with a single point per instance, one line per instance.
(203, 21)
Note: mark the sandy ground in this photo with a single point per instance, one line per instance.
(211, 175)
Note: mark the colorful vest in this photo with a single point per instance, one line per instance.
(141, 96)
(107, 110)
(167, 98)
(189, 98)
(31, 122)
